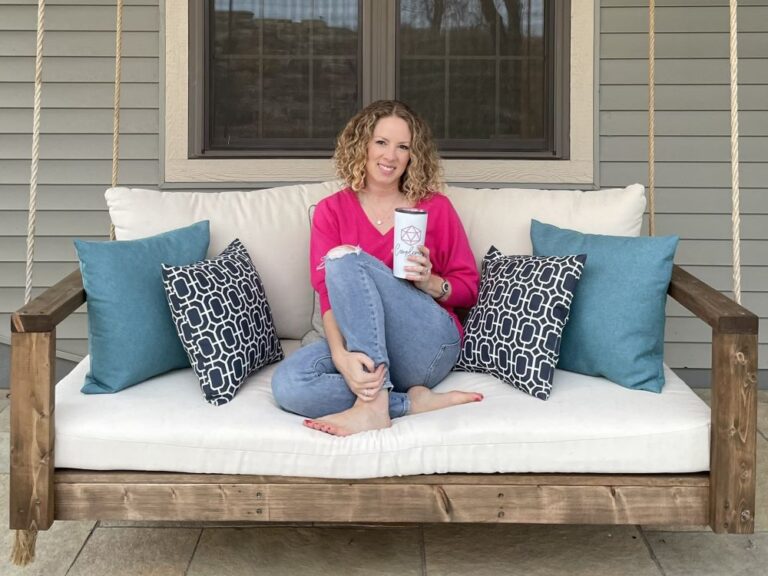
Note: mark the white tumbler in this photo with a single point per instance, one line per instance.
(410, 232)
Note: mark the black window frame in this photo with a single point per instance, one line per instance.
(380, 81)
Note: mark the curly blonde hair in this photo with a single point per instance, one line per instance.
(422, 176)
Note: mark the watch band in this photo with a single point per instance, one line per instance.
(445, 287)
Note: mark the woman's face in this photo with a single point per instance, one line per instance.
(388, 152)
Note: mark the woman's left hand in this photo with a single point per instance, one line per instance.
(421, 271)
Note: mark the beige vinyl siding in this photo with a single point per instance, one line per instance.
(76, 141)
(693, 147)
(693, 171)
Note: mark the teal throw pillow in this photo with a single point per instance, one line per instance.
(616, 326)
(131, 336)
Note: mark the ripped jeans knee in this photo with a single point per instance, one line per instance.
(341, 251)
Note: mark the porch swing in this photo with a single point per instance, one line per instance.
(723, 497)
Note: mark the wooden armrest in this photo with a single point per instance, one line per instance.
(734, 401)
(717, 310)
(46, 311)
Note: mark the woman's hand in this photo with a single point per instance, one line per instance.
(421, 270)
(360, 374)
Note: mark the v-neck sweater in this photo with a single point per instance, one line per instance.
(340, 219)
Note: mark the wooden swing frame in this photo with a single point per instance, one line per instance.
(723, 498)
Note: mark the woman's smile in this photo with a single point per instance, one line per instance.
(388, 153)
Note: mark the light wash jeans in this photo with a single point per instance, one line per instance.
(388, 319)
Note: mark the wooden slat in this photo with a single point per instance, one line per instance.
(734, 428)
(46, 311)
(32, 430)
(723, 314)
(72, 476)
(384, 503)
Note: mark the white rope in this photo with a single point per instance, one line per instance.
(735, 201)
(35, 151)
(116, 105)
(652, 117)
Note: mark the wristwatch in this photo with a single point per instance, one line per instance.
(445, 287)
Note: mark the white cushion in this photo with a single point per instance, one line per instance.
(273, 225)
(587, 425)
(502, 217)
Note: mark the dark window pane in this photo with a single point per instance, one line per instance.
(281, 74)
(286, 98)
(334, 30)
(421, 27)
(234, 101)
(286, 74)
(477, 71)
(422, 86)
(286, 27)
(523, 109)
(334, 96)
(236, 32)
(522, 28)
(471, 27)
(472, 93)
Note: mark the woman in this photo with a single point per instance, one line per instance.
(388, 341)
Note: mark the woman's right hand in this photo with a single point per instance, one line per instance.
(360, 374)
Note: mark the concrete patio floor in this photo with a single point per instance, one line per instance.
(193, 549)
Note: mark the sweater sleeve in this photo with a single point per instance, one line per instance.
(457, 262)
(324, 235)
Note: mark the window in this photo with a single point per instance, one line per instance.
(276, 78)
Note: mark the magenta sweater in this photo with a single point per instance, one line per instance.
(340, 219)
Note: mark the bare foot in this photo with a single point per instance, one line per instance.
(363, 416)
(424, 400)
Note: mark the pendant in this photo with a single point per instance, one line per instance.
(378, 222)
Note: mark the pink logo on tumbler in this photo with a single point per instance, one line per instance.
(410, 235)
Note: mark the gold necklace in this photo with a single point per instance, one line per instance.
(379, 220)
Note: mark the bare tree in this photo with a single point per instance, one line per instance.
(438, 9)
(512, 31)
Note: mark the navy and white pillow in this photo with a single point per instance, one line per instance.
(513, 332)
(223, 318)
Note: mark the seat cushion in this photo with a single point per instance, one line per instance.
(587, 425)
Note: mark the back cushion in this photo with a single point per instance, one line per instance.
(272, 224)
(502, 217)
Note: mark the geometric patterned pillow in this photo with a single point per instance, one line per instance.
(513, 332)
(223, 319)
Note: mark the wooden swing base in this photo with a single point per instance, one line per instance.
(723, 498)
